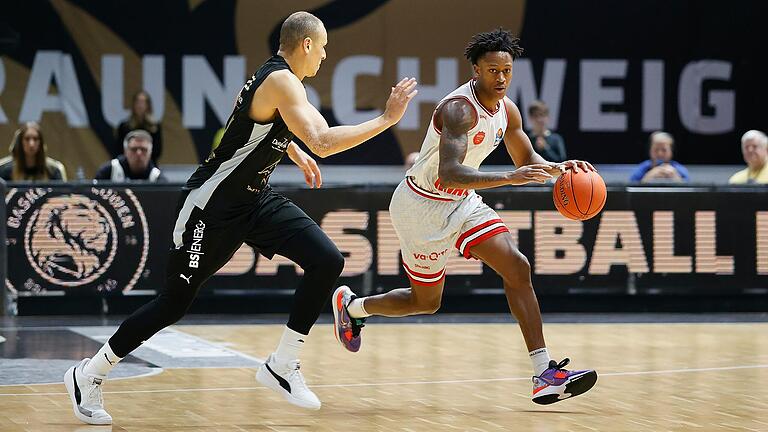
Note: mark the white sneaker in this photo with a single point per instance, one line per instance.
(85, 393)
(287, 380)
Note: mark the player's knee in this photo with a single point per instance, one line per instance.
(517, 272)
(522, 265)
(425, 304)
(333, 263)
(432, 306)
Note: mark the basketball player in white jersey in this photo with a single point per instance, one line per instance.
(435, 208)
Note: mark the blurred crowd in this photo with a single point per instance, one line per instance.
(137, 146)
(139, 143)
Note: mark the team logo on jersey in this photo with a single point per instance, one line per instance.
(265, 173)
(479, 137)
(65, 240)
(280, 145)
(499, 137)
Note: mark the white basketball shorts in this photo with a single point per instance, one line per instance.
(428, 225)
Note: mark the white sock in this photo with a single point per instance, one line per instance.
(290, 346)
(356, 308)
(540, 359)
(102, 362)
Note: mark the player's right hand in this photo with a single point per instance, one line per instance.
(401, 94)
(534, 173)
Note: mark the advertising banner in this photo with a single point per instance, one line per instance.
(113, 240)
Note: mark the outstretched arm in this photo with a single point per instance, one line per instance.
(458, 117)
(290, 99)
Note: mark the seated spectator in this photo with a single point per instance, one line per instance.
(754, 148)
(141, 118)
(660, 167)
(135, 163)
(546, 143)
(28, 161)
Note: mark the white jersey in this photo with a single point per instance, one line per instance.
(482, 139)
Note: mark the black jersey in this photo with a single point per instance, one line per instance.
(238, 170)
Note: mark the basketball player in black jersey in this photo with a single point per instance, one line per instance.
(228, 201)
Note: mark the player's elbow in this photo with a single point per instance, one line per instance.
(322, 152)
(319, 147)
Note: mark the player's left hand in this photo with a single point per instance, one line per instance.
(308, 166)
(559, 168)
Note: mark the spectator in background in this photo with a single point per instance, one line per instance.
(28, 161)
(135, 163)
(141, 118)
(660, 167)
(546, 143)
(754, 148)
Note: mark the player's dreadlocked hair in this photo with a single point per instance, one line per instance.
(496, 40)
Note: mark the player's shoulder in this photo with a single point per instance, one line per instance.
(282, 80)
(457, 113)
(460, 103)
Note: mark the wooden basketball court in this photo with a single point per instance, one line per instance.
(443, 377)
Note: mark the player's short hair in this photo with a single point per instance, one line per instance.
(297, 27)
(496, 40)
(757, 135)
(537, 108)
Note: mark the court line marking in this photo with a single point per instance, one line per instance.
(401, 383)
(153, 371)
(151, 352)
(219, 345)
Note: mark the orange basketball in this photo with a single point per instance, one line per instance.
(579, 195)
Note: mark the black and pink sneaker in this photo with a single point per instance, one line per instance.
(346, 329)
(556, 383)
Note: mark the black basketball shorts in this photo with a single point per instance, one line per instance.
(205, 240)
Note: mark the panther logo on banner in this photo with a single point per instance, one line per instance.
(64, 240)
